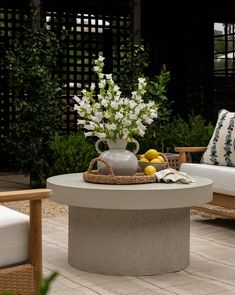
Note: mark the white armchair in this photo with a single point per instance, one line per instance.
(21, 242)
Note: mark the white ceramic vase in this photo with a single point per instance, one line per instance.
(122, 161)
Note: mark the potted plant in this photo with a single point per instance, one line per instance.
(115, 118)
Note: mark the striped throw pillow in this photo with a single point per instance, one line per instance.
(221, 148)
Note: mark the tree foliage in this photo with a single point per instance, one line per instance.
(31, 64)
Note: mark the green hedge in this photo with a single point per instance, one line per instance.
(71, 153)
(177, 132)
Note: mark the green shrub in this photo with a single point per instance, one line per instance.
(71, 153)
(31, 62)
(193, 132)
(177, 132)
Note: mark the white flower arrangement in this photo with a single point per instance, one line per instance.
(106, 114)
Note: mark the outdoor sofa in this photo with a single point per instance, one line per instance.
(218, 164)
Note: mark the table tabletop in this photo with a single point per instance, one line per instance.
(71, 189)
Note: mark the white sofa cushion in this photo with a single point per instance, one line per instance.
(223, 177)
(14, 237)
(221, 148)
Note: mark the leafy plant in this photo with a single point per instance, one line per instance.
(156, 91)
(31, 64)
(46, 283)
(134, 61)
(194, 131)
(71, 153)
(135, 64)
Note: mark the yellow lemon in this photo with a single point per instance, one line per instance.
(162, 159)
(151, 154)
(142, 156)
(149, 170)
(156, 160)
(143, 159)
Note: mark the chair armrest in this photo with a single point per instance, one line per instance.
(183, 150)
(34, 196)
(24, 195)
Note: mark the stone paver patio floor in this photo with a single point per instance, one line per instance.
(211, 271)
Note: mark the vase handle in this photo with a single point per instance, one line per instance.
(135, 151)
(97, 145)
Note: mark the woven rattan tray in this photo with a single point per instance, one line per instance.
(93, 175)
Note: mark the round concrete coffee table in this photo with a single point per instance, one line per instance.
(141, 229)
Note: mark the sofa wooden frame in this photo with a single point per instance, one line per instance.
(26, 278)
(223, 205)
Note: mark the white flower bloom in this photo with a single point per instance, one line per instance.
(106, 114)
(125, 101)
(142, 106)
(137, 110)
(100, 96)
(114, 105)
(138, 98)
(92, 88)
(118, 116)
(141, 80)
(150, 104)
(153, 114)
(132, 103)
(100, 134)
(96, 68)
(76, 108)
(125, 133)
(89, 126)
(101, 58)
(111, 126)
(98, 116)
(141, 132)
(116, 88)
(102, 84)
(108, 76)
(104, 102)
(81, 122)
(126, 121)
(96, 105)
(88, 134)
(133, 117)
(76, 98)
(118, 93)
(147, 120)
(85, 106)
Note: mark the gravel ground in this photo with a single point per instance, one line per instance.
(50, 209)
(10, 182)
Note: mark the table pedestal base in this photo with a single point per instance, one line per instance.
(129, 242)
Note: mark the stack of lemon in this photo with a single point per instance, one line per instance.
(150, 160)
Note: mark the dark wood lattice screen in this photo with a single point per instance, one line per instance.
(11, 22)
(86, 36)
(83, 38)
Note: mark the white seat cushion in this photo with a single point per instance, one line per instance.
(14, 237)
(223, 177)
